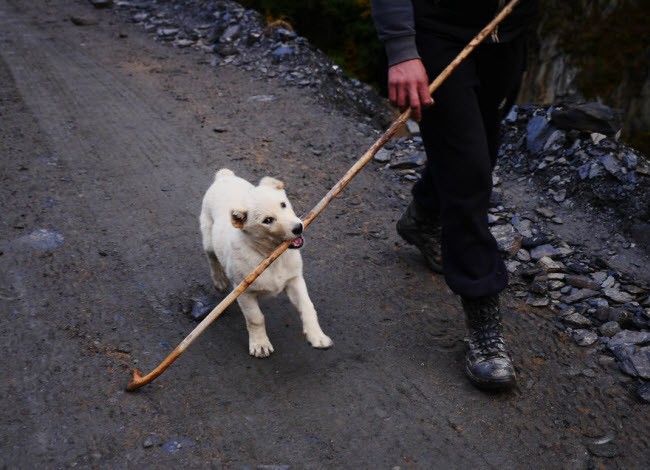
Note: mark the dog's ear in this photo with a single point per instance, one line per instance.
(238, 218)
(269, 181)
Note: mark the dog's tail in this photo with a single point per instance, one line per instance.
(223, 173)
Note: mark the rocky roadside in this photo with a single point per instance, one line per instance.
(575, 169)
(560, 160)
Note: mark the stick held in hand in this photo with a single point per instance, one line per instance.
(139, 381)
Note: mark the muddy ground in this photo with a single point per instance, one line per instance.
(108, 140)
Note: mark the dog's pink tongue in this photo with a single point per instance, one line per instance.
(297, 242)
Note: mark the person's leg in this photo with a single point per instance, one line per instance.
(460, 173)
(500, 68)
(460, 161)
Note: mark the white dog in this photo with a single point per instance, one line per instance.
(241, 225)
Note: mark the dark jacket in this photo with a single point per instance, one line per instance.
(460, 20)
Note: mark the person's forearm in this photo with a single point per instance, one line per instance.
(396, 29)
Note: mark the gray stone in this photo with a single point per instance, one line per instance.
(577, 320)
(182, 43)
(581, 282)
(84, 20)
(511, 117)
(409, 161)
(413, 127)
(618, 315)
(545, 212)
(584, 337)
(618, 296)
(167, 32)
(382, 156)
(150, 441)
(549, 265)
(523, 255)
(643, 392)
(579, 268)
(598, 302)
(523, 226)
(589, 117)
(40, 239)
(536, 301)
(508, 240)
(560, 195)
(599, 277)
(282, 52)
(583, 171)
(610, 164)
(512, 266)
(631, 160)
(608, 450)
(634, 361)
(579, 294)
(230, 34)
(539, 285)
(544, 251)
(597, 137)
(555, 140)
(608, 282)
(609, 329)
(538, 132)
(201, 308)
(176, 445)
(594, 170)
(629, 337)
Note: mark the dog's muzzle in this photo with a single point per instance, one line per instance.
(297, 242)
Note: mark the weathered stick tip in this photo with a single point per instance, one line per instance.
(135, 383)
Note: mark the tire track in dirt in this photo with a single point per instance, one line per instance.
(100, 122)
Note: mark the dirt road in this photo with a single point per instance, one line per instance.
(108, 140)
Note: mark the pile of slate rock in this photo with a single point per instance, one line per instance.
(573, 151)
(231, 34)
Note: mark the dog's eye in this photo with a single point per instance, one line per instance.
(268, 220)
(283, 204)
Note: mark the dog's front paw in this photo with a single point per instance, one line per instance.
(320, 340)
(260, 348)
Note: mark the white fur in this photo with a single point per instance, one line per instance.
(237, 237)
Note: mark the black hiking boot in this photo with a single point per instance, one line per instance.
(424, 233)
(487, 363)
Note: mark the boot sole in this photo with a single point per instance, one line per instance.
(491, 384)
(411, 241)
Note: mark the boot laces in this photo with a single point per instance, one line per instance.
(487, 341)
(486, 337)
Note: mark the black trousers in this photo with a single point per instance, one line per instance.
(461, 138)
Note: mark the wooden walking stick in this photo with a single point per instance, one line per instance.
(138, 380)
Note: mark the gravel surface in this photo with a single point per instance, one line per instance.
(112, 127)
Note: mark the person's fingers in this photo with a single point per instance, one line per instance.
(392, 94)
(414, 103)
(425, 96)
(402, 97)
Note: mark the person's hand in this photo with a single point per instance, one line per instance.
(408, 86)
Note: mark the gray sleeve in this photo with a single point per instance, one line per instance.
(396, 29)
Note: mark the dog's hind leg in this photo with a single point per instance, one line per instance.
(219, 277)
(258, 342)
(297, 292)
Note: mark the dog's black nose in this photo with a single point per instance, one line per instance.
(297, 230)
